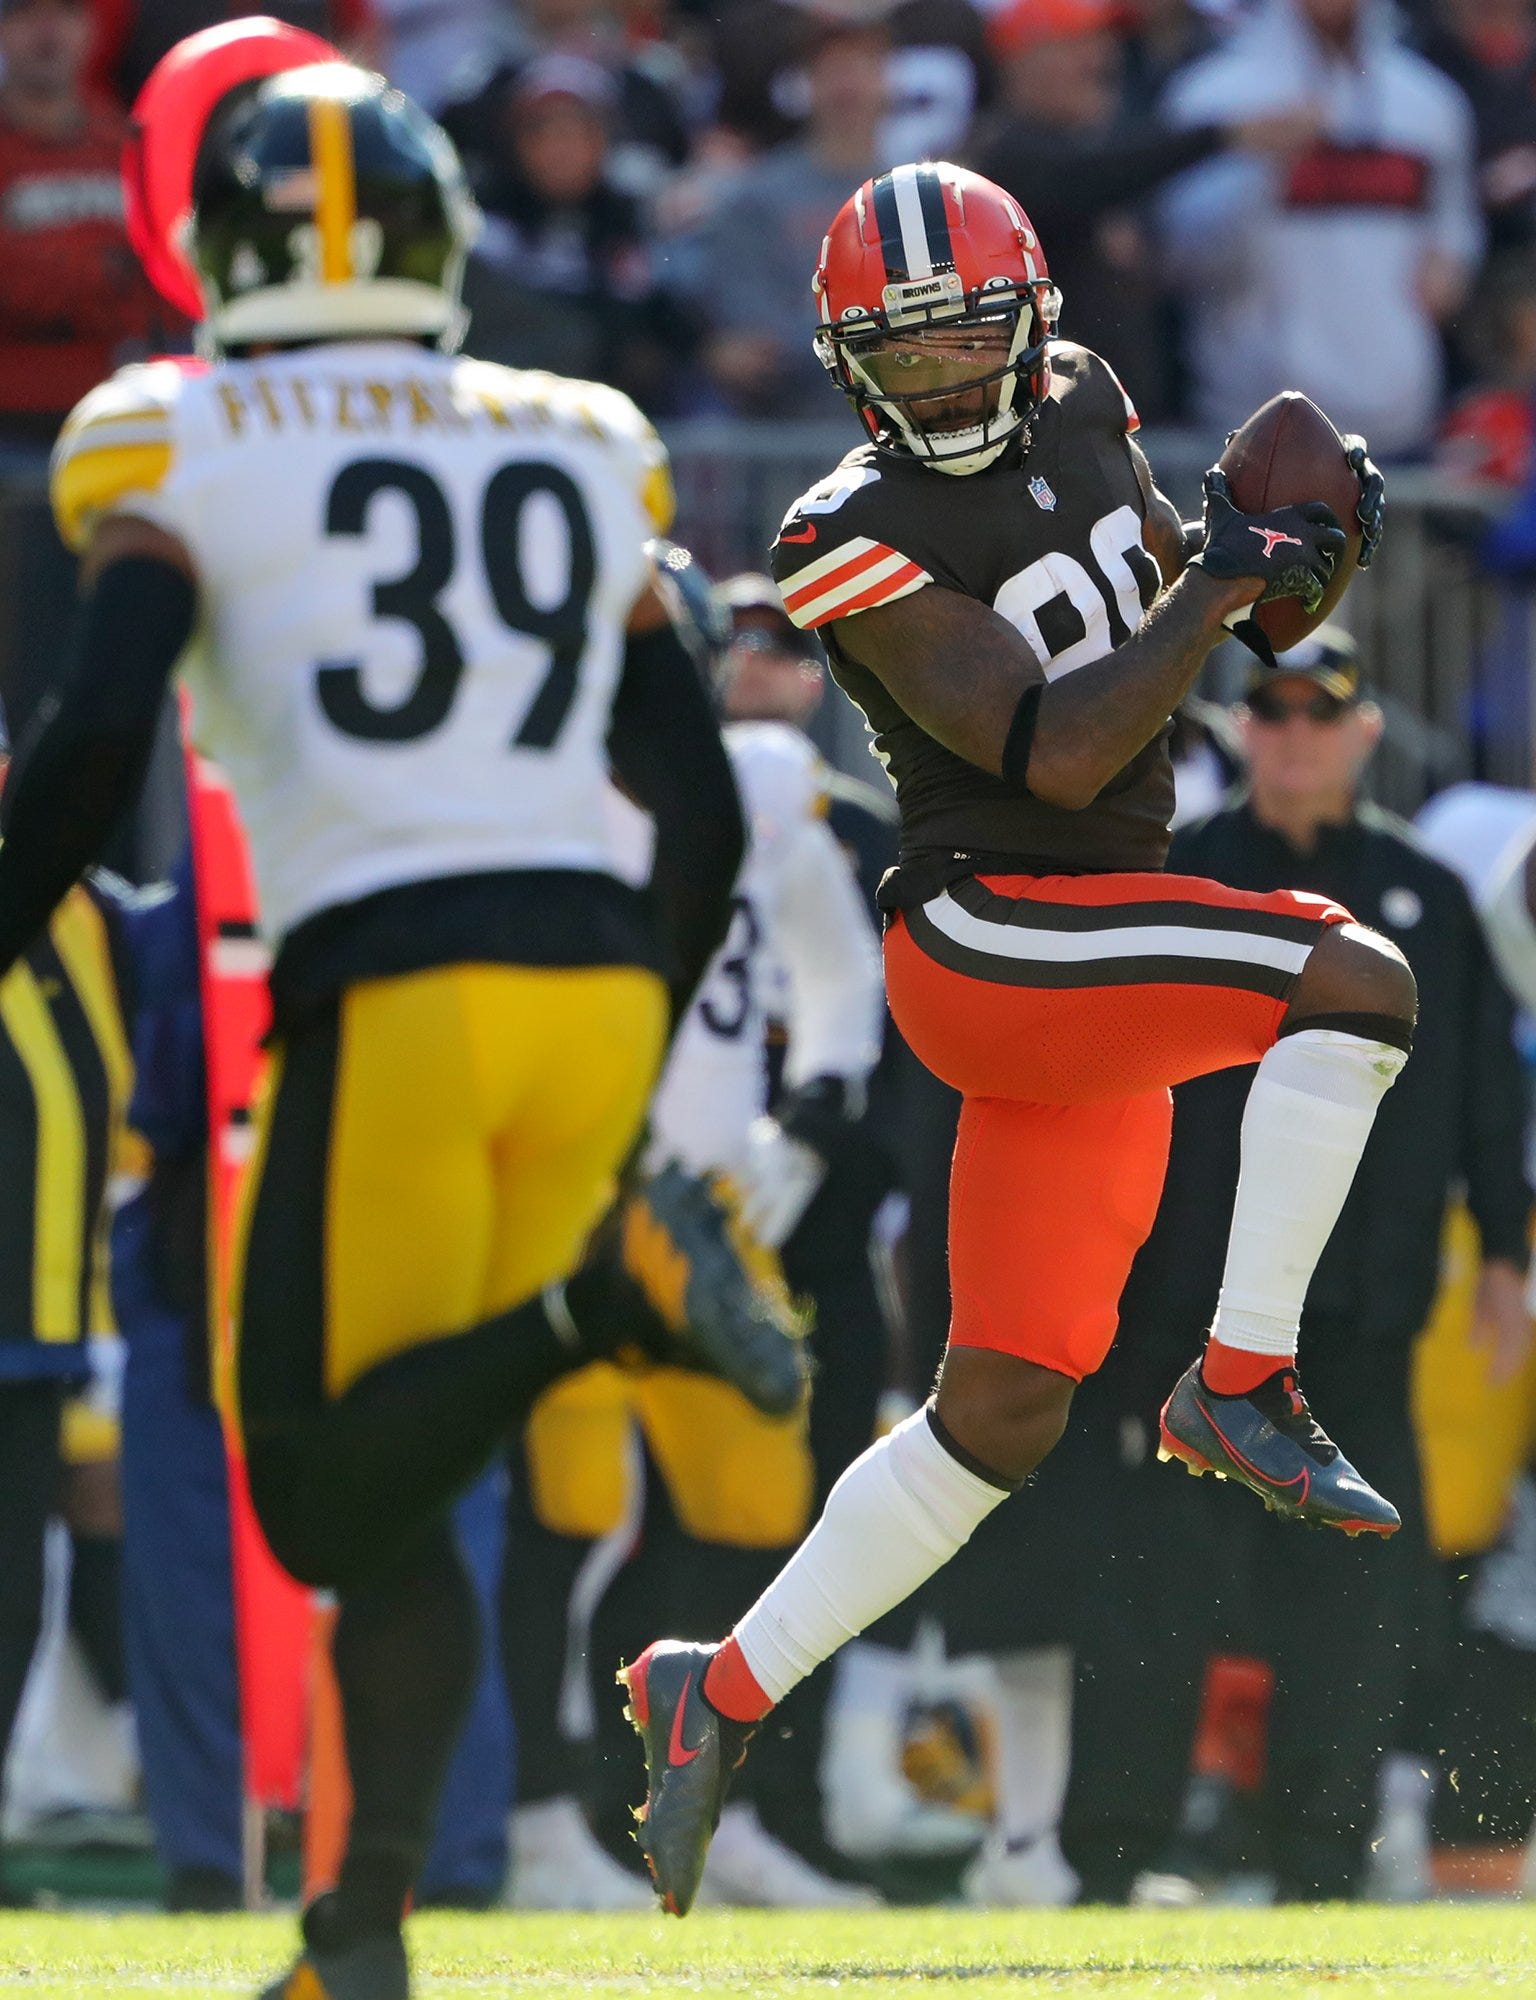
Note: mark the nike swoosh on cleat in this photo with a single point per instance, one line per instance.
(806, 534)
(678, 1752)
(1304, 1478)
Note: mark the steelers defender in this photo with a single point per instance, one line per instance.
(420, 628)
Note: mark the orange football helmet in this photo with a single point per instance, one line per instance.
(936, 312)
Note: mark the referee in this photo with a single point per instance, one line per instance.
(65, 1077)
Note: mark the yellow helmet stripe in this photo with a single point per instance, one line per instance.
(330, 150)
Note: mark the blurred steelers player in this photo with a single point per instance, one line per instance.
(739, 1482)
(419, 625)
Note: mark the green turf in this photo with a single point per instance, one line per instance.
(1299, 1954)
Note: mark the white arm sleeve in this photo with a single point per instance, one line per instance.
(1507, 919)
(827, 943)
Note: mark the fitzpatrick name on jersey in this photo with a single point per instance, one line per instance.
(1075, 578)
(415, 574)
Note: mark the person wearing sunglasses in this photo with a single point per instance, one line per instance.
(1302, 822)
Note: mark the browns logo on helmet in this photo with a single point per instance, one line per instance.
(936, 308)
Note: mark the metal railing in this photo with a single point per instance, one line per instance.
(1447, 649)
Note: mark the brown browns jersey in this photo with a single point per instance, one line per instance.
(1053, 541)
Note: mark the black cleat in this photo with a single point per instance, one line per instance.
(691, 1754)
(1271, 1441)
(365, 1968)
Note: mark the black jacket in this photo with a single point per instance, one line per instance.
(1455, 1117)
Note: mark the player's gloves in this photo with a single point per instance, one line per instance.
(787, 1154)
(1291, 550)
(1373, 497)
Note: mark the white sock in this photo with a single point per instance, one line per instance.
(1034, 1740)
(895, 1517)
(1305, 1125)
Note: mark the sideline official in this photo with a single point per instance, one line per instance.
(1340, 1621)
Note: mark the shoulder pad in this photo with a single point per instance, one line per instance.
(1080, 372)
(833, 554)
(118, 441)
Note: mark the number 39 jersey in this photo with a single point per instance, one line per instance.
(415, 573)
(1053, 541)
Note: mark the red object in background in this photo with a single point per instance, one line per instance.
(274, 1616)
(1233, 1733)
(169, 117)
(1490, 434)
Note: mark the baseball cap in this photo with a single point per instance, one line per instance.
(1328, 658)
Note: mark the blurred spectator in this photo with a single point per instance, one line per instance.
(649, 129)
(1334, 272)
(1489, 431)
(939, 71)
(749, 267)
(1308, 736)
(940, 76)
(563, 276)
(1061, 145)
(1162, 37)
(73, 303)
(132, 35)
(1489, 48)
(423, 44)
(771, 671)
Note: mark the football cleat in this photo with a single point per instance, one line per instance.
(721, 1305)
(366, 1968)
(691, 1754)
(1272, 1443)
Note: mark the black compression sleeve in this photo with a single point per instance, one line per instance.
(666, 750)
(82, 761)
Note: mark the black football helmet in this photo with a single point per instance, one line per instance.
(326, 206)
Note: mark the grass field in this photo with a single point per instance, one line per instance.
(1293, 1954)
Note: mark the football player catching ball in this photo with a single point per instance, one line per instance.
(1017, 610)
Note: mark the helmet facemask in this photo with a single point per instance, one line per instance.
(923, 389)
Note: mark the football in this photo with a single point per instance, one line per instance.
(1288, 452)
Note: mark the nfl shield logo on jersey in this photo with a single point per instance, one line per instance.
(1044, 497)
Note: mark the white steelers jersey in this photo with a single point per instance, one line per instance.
(795, 902)
(415, 573)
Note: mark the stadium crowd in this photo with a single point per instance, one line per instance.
(1336, 194)
(1331, 195)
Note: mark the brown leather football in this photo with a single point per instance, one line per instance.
(1288, 452)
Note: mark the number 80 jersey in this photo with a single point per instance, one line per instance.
(415, 572)
(1053, 541)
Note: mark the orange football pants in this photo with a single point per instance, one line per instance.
(1063, 1008)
